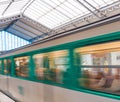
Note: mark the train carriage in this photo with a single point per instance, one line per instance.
(87, 70)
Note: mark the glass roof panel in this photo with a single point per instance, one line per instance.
(69, 8)
(2, 8)
(43, 6)
(75, 7)
(54, 12)
(65, 11)
(100, 3)
(85, 4)
(11, 8)
(53, 4)
(4, 1)
(110, 1)
(54, 18)
(15, 7)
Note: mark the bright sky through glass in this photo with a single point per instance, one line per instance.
(9, 41)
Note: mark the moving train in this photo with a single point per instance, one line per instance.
(86, 70)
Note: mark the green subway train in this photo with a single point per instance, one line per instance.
(85, 70)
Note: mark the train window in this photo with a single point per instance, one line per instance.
(22, 66)
(100, 67)
(52, 65)
(58, 64)
(7, 66)
(41, 63)
(0, 66)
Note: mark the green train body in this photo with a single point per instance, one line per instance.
(76, 66)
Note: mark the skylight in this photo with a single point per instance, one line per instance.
(53, 13)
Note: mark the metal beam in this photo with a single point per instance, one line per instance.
(7, 7)
(37, 24)
(87, 8)
(95, 8)
(9, 19)
(26, 6)
(38, 37)
(10, 24)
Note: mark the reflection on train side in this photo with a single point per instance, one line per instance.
(52, 65)
(100, 67)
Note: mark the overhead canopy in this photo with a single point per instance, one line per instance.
(34, 19)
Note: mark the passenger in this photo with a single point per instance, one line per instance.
(109, 80)
(115, 84)
(101, 81)
(100, 75)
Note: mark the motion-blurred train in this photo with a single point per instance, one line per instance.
(84, 70)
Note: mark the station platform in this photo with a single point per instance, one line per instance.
(4, 98)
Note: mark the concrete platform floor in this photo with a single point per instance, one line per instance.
(4, 98)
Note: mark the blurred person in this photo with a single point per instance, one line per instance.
(99, 81)
(115, 86)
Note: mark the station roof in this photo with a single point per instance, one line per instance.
(36, 19)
